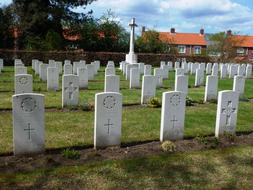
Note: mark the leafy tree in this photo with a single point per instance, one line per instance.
(38, 17)
(223, 46)
(150, 42)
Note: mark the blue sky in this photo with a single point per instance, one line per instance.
(184, 15)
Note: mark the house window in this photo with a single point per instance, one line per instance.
(181, 49)
(197, 50)
(240, 50)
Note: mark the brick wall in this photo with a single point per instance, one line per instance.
(147, 58)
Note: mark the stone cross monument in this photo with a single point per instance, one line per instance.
(132, 57)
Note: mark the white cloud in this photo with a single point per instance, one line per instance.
(185, 15)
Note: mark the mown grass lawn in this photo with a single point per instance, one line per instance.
(230, 168)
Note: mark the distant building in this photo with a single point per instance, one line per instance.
(186, 43)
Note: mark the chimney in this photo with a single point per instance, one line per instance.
(229, 32)
(202, 31)
(172, 30)
(143, 30)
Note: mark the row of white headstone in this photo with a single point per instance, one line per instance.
(70, 82)
(29, 121)
(28, 113)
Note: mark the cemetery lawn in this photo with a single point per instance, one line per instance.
(223, 168)
(227, 168)
(71, 127)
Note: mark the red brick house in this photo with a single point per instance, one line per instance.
(245, 47)
(186, 43)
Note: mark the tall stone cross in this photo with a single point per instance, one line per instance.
(132, 25)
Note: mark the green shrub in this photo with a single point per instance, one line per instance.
(189, 101)
(154, 102)
(168, 146)
(87, 107)
(71, 154)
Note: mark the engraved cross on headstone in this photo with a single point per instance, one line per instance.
(108, 124)
(71, 89)
(29, 129)
(174, 120)
(228, 110)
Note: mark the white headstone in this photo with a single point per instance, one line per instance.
(128, 69)
(70, 90)
(181, 84)
(209, 68)
(165, 69)
(112, 83)
(82, 74)
(148, 88)
(147, 69)
(179, 72)
(172, 116)
(238, 85)
(248, 71)
(108, 119)
(52, 78)
(43, 71)
(134, 78)
(223, 71)
(110, 71)
(232, 71)
(215, 69)
(23, 84)
(91, 71)
(20, 70)
(199, 77)
(240, 70)
(158, 73)
(177, 65)
(67, 69)
(141, 68)
(28, 123)
(227, 110)
(211, 88)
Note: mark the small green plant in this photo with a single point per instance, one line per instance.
(189, 101)
(71, 154)
(201, 139)
(229, 136)
(154, 102)
(168, 146)
(87, 107)
(210, 142)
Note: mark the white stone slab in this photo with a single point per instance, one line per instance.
(67, 69)
(179, 72)
(240, 70)
(28, 123)
(211, 89)
(43, 71)
(215, 69)
(91, 71)
(177, 65)
(172, 116)
(158, 73)
(148, 88)
(70, 90)
(82, 74)
(128, 69)
(108, 119)
(23, 84)
(209, 68)
(238, 85)
(110, 71)
(199, 77)
(248, 71)
(134, 78)
(141, 68)
(59, 66)
(147, 69)
(112, 83)
(232, 71)
(227, 110)
(181, 84)
(223, 71)
(52, 79)
(165, 69)
(20, 70)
